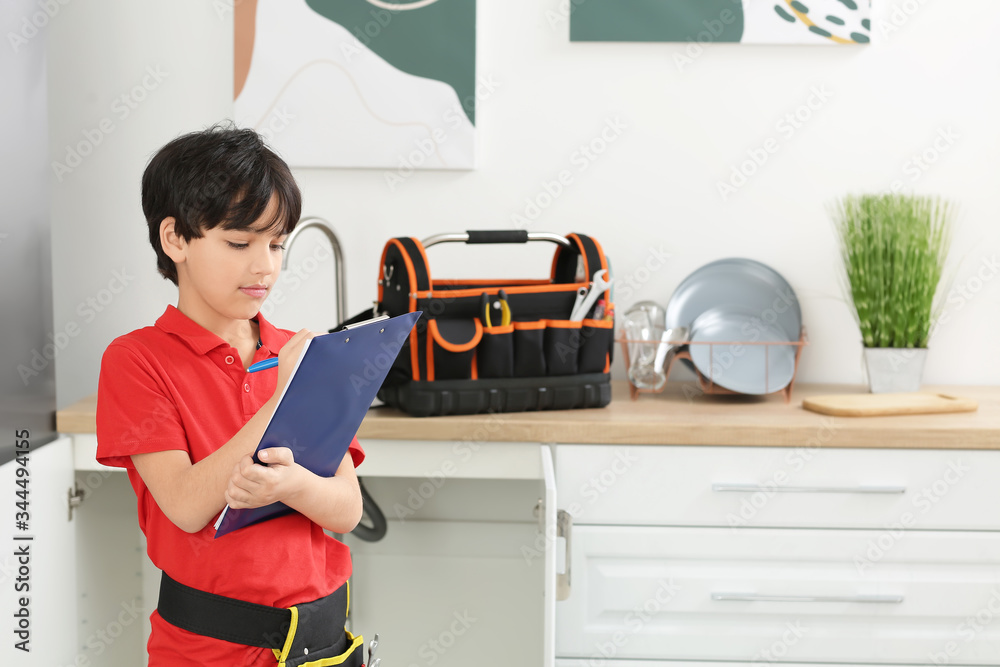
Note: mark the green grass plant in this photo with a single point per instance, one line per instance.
(894, 247)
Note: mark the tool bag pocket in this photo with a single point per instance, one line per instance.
(596, 343)
(529, 349)
(351, 656)
(495, 354)
(562, 347)
(451, 348)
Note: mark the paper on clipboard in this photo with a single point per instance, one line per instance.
(324, 402)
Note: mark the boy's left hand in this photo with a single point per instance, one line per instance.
(253, 485)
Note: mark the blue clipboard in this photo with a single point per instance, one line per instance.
(324, 402)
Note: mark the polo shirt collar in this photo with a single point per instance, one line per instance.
(201, 340)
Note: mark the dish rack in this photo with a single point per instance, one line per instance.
(708, 386)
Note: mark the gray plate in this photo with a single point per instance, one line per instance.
(748, 369)
(747, 284)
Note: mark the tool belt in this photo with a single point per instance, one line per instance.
(497, 345)
(306, 635)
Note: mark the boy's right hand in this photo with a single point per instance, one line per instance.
(287, 357)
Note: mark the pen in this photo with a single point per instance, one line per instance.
(263, 365)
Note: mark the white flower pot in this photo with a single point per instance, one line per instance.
(894, 369)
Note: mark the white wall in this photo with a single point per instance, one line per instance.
(655, 187)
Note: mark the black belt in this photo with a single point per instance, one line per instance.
(254, 624)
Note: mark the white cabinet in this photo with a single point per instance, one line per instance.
(736, 554)
(780, 487)
(37, 575)
(766, 595)
(591, 662)
(462, 570)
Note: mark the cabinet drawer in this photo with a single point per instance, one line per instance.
(590, 662)
(779, 487)
(780, 595)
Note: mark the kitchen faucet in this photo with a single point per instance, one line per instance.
(338, 256)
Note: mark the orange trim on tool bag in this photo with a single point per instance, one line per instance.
(491, 281)
(604, 265)
(563, 324)
(430, 355)
(414, 355)
(381, 272)
(583, 253)
(427, 265)
(555, 261)
(536, 324)
(475, 366)
(499, 329)
(435, 333)
(527, 289)
(411, 274)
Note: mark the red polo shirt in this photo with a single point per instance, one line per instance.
(177, 385)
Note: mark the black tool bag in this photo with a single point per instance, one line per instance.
(459, 360)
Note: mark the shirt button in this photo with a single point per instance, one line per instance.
(246, 387)
(230, 359)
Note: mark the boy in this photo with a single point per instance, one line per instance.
(178, 410)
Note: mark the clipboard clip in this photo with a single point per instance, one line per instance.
(347, 327)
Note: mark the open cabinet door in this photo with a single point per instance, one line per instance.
(557, 584)
(38, 569)
(551, 554)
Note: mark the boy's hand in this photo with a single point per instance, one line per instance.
(288, 355)
(253, 485)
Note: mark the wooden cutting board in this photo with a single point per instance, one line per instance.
(876, 405)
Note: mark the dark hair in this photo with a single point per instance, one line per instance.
(222, 175)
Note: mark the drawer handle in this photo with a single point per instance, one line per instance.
(757, 597)
(751, 488)
(564, 528)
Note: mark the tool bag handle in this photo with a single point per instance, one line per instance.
(476, 236)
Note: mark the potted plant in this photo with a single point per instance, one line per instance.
(894, 248)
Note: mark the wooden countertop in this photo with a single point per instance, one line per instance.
(679, 416)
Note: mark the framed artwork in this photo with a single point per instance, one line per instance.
(743, 21)
(359, 83)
